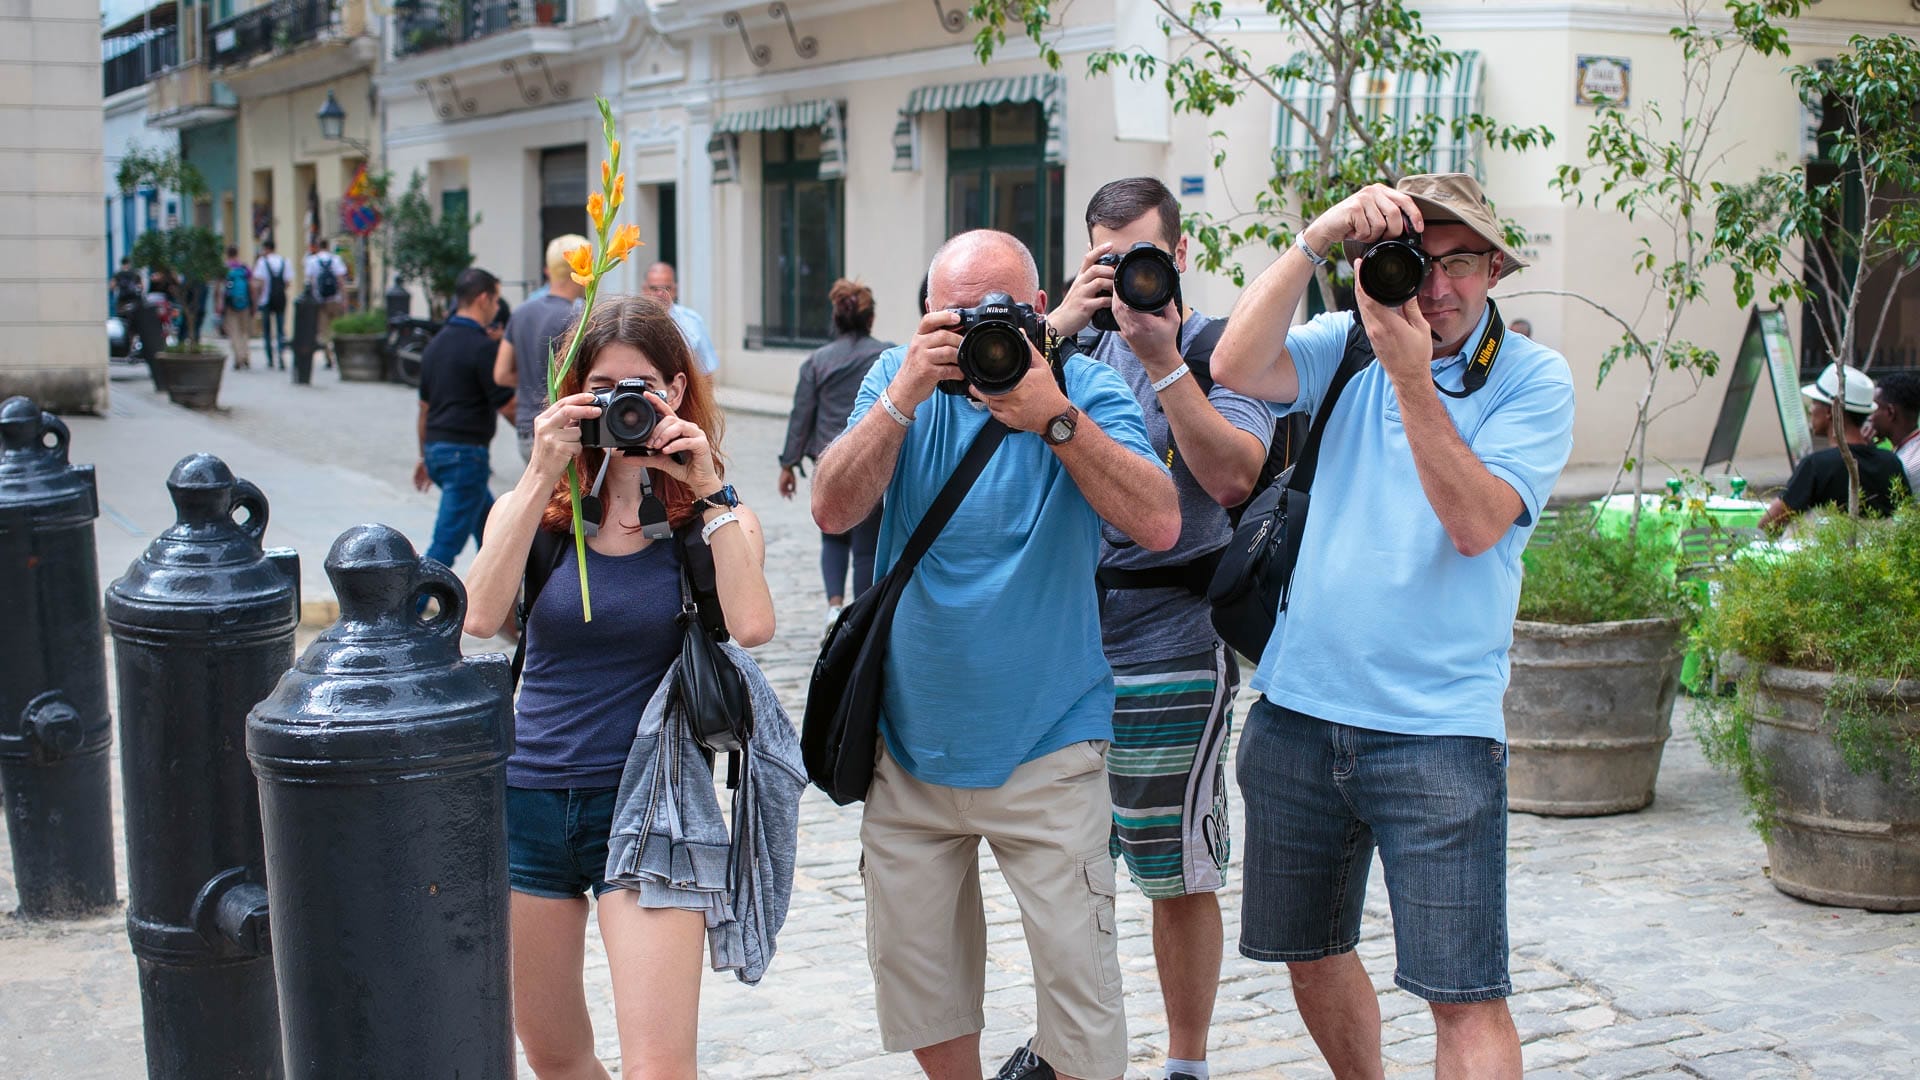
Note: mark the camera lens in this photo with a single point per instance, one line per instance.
(629, 417)
(994, 357)
(1392, 270)
(1145, 280)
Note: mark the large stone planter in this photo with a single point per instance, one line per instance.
(362, 357)
(1589, 709)
(190, 378)
(1838, 837)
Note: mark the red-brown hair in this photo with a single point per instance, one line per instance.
(644, 324)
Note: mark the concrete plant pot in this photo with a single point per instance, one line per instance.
(362, 357)
(191, 378)
(1589, 708)
(1837, 836)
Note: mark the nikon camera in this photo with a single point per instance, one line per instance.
(994, 339)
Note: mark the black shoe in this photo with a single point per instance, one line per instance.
(1181, 1076)
(1025, 1065)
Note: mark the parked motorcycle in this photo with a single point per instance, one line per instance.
(407, 338)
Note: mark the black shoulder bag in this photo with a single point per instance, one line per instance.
(1250, 585)
(840, 733)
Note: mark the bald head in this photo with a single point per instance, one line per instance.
(973, 264)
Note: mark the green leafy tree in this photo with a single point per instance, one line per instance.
(1845, 229)
(188, 253)
(1654, 164)
(1343, 43)
(423, 247)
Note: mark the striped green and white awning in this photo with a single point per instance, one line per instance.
(1399, 97)
(827, 115)
(1050, 91)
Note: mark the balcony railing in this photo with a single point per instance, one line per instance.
(423, 25)
(140, 61)
(280, 24)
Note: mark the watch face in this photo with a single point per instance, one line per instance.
(1060, 430)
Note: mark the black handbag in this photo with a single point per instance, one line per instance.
(709, 690)
(1250, 584)
(840, 732)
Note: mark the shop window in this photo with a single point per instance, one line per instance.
(801, 216)
(998, 178)
(563, 193)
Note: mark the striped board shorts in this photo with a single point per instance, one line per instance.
(1167, 769)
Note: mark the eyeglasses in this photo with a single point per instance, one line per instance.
(1461, 263)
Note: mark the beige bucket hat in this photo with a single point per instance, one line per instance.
(1454, 199)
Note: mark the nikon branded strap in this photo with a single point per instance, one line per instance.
(1480, 363)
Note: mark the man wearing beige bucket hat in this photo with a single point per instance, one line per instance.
(1380, 722)
(1820, 478)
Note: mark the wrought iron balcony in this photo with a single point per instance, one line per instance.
(271, 27)
(424, 25)
(140, 60)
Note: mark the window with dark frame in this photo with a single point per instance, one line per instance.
(802, 219)
(998, 178)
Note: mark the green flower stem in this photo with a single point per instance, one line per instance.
(579, 541)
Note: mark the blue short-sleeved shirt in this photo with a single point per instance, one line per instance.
(1388, 627)
(995, 658)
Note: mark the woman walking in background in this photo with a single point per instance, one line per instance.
(829, 380)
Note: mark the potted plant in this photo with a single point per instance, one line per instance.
(1595, 667)
(359, 339)
(1823, 727)
(188, 371)
(424, 248)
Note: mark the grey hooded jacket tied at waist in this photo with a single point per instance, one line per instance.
(668, 831)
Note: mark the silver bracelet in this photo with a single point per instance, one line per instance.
(1172, 377)
(894, 411)
(1300, 241)
(711, 527)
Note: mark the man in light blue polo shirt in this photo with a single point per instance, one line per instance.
(1380, 721)
(999, 702)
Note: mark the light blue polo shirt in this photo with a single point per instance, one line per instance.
(995, 658)
(1388, 627)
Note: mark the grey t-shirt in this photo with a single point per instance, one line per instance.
(1142, 625)
(529, 330)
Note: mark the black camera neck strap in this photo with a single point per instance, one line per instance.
(955, 490)
(1480, 361)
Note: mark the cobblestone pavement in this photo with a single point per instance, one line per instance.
(1649, 944)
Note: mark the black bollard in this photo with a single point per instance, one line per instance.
(203, 626)
(382, 766)
(306, 337)
(54, 727)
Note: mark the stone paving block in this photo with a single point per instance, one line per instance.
(1641, 1033)
(1620, 1064)
(1745, 1065)
(1651, 1003)
(1590, 1018)
(1547, 1053)
(1532, 1025)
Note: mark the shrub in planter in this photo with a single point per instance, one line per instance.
(360, 340)
(1595, 667)
(1823, 727)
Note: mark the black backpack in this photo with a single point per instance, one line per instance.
(326, 285)
(276, 283)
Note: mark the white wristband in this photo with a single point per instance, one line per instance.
(1172, 377)
(1300, 241)
(711, 527)
(894, 411)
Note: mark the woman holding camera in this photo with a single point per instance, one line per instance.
(586, 684)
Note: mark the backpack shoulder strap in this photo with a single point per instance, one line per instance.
(1198, 352)
(697, 573)
(1359, 353)
(543, 557)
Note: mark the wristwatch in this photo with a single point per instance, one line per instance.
(1061, 428)
(724, 499)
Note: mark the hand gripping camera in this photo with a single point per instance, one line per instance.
(994, 340)
(1144, 279)
(1392, 270)
(626, 418)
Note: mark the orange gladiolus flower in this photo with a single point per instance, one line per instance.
(597, 210)
(580, 261)
(625, 239)
(606, 173)
(619, 190)
(613, 149)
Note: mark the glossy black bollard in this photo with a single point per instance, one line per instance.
(203, 626)
(382, 765)
(54, 727)
(306, 337)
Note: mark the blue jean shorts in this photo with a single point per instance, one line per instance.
(1320, 797)
(557, 840)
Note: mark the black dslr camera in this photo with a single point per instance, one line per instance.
(994, 336)
(1393, 270)
(626, 418)
(1144, 279)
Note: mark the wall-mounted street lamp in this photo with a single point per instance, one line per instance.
(333, 125)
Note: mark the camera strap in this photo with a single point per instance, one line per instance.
(653, 512)
(590, 508)
(1480, 361)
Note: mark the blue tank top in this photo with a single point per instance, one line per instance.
(586, 683)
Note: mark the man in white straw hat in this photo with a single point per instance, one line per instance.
(1821, 477)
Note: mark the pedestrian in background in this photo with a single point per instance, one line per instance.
(822, 398)
(524, 355)
(664, 285)
(1896, 418)
(234, 305)
(587, 683)
(458, 403)
(326, 283)
(270, 297)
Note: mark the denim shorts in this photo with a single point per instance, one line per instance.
(557, 840)
(1320, 797)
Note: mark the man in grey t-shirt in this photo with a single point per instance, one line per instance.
(522, 363)
(1174, 676)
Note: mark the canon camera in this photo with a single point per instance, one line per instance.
(626, 418)
(1144, 279)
